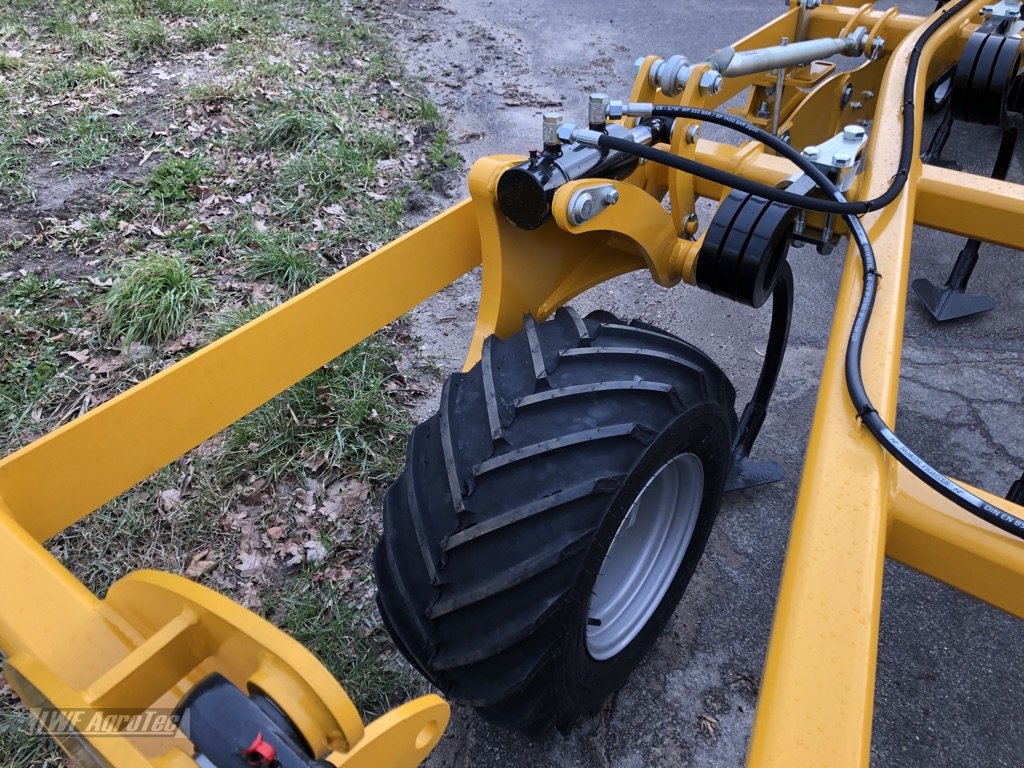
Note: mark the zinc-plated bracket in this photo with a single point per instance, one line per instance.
(842, 156)
(1004, 9)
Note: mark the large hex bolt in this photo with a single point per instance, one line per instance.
(853, 132)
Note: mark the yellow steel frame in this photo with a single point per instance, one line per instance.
(156, 635)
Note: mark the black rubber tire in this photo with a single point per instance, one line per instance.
(511, 495)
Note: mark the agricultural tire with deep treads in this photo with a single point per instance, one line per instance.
(551, 514)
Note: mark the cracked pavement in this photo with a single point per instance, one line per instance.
(950, 685)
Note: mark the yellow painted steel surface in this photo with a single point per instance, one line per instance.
(817, 693)
(65, 475)
(155, 635)
(938, 538)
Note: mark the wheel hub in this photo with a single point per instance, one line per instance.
(644, 556)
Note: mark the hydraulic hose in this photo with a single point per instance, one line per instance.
(869, 416)
(771, 193)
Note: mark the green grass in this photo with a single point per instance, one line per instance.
(8, 63)
(75, 76)
(153, 299)
(146, 37)
(321, 617)
(87, 140)
(332, 171)
(232, 318)
(36, 309)
(337, 31)
(19, 746)
(441, 154)
(291, 266)
(209, 33)
(13, 171)
(293, 128)
(145, 526)
(174, 181)
(342, 415)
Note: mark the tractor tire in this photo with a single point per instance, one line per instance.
(511, 570)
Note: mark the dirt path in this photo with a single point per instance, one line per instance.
(493, 68)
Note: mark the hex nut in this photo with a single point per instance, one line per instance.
(711, 82)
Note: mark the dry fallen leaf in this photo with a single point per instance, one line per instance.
(708, 726)
(104, 365)
(169, 499)
(79, 356)
(250, 561)
(315, 551)
(200, 564)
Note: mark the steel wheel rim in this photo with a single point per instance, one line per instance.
(644, 556)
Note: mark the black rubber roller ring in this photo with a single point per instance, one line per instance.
(986, 86)
(744, 247)
(1015, 98)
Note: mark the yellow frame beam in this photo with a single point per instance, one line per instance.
(125, 440)
(155, 635)
(817, 694)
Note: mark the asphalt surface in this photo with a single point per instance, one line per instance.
(950, 686)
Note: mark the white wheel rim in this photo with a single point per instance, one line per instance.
(644, 556)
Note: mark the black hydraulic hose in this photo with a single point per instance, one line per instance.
(725, 178)
(854, 379)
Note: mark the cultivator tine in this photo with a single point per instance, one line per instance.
(951, 302)
(933, 155)
(745, 472)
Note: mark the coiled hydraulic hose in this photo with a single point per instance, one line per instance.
(854, 379)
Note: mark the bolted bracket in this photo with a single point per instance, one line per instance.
(588, 202)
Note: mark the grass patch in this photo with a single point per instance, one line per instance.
(153, 299)
(87, 140)
(232, 318)
(146, 37)
(210, 33)
(338, 32)
(292, 128)
(175, 181)
(19, 746)
(8, 63)
(164, 520)
(35, 309)
(75, 76)
(441, 154)
(13, 173)
(333, 171)
(320, 617)
(290, 266)
(342, 415)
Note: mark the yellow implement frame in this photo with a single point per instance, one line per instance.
(154, 636)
